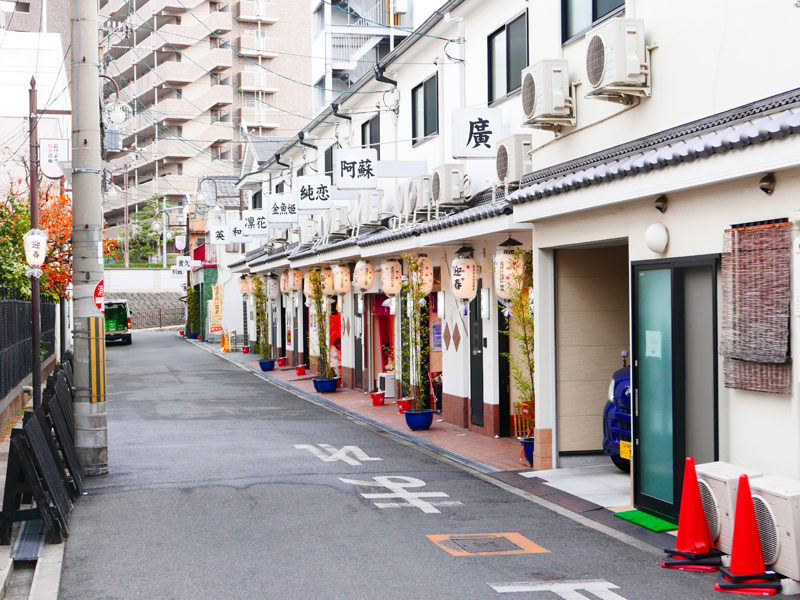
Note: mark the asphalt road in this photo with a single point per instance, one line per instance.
(209, 496)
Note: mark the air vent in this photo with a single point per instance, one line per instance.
(436, 186)
(596, 60)
(710, 505)
(502, 162)
(767, 530)
(413, 195)
(528, 95)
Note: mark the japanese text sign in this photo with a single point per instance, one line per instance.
(314, 194)
(354, 169)
(50, 153)
(476, 132)
(238, 235)
(219, 235)
(281, 209)
(254, 222)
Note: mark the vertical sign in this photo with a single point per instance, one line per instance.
(355, 169)
(216, 309)
(50, 154)
(314, 194)
(476, 132)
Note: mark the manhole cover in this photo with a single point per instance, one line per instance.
(486, 544)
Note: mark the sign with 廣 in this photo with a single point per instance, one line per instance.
(355, 169)
(476, 132)
(314, 194)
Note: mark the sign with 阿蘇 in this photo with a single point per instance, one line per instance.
(51, 152)
(254, 222)
(219, 235)
(476, 132)
(281, 210)
(354, 169)
(314, 194)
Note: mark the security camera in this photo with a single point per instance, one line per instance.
(661, 204)
(767, 184)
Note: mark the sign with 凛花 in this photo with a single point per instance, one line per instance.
(281, 210)
(314, 194)
(477, 132)
(254, 222)
(355, 169)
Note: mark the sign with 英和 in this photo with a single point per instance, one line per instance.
(354, 169)
(254, 222)
(477, 132)
(281, 209)
(314, 194)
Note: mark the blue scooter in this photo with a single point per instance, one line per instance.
(617, 418)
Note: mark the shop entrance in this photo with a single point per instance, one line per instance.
(476, 360)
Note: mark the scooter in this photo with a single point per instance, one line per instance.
(617, 418)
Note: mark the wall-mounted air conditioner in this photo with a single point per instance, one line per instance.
(447, 184)
(386, 384)
(719, 484)
(513, 160)
(419, 193)
(546, 98)
(776, 501)
(615, 57)
(370, 205)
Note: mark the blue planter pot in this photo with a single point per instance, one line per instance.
(527, 448)
(419, 420)
(267, 365)
(326, 386)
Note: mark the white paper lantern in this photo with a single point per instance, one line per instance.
(426, 274)
(326, 276)
(35, 242)
(273, 288)
(364, 275)
(285, 282)
(509, 269)
(307, 289)
(295, 277)
(391, 277)
(341, 279)
(464, 278)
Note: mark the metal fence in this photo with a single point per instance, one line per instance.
(162, 317)
(16, 362)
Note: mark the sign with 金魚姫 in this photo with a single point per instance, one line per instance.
(477, 132)
(281, 210)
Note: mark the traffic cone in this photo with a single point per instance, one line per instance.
(747, 573)
(694, 548)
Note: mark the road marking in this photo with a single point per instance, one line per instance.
(335, 455)
(397, 486)
(569, 590)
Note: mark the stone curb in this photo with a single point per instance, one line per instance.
(47, 576)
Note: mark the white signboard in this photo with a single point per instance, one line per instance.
(476, 132)
(355, 169)
(237, 232)
(182, 262)
(255, 222)
(180, 242)
(314, 194)
(50, 153)
(219, 235)
(281, 210)
(177, 272)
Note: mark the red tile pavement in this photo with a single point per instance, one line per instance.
(499, 453)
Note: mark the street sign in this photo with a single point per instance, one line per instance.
(476, 132)
(281, 210)
(99, 292)
(314, 193)
(51, 152)
(354, 169)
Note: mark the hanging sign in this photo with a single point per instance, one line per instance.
(51, 152)
(216, 309)
(255, 222)
(314, 194)
(354, 169)
(219, 235)
(476, 132)
(238, 235)
(180, 242)
(281, 210)
(177, 272)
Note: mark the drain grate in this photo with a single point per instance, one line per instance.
(475, 545)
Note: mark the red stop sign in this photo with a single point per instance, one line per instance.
(98, 296)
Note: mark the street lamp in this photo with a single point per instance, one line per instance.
(35, 242)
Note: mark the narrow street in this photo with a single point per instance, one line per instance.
(224, 486)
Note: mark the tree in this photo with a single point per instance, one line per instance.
(145, 238)
(15, 221)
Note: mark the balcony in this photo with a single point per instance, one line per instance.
(258, 46)
(259, 117)
(257, 12)
(260, 81)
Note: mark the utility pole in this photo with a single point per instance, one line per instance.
(36, 336)
(91, 420)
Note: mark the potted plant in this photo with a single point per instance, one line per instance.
(519, 311)
(326, 382)
(262, 347)
(416, 352)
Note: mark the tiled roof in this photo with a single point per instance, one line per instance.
(221, 190)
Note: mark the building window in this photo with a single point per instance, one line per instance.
(329, 161)
(508, 56)
(256, 200)
(301, 171)
(371, 134)
(280, 187)
(425, 109)
(579, 15)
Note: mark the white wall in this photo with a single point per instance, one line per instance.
(142, 280)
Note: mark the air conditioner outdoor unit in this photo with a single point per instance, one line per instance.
(337, 219)
(545, 92)
(719, 483)
(513, 161)
(419, 193)
(776, 501)
(615, 56)
(278, 235)
(307, 229)
(404, 203)
(386, 384)
(446, 185)
(370, 204)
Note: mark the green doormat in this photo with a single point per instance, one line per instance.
(647, 521)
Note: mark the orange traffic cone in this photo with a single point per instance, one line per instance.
(694, 548)
(747, 573)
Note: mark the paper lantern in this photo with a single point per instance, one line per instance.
(273, 288)
(243, 285)
(464, 278)
(284, 282)
(250, 283)
(35, 243)
(364, 275)
(341, 279)
(426, 274)
(307, 284)
(326, 276)
(391, 277)
(509, 270)
(295, 282)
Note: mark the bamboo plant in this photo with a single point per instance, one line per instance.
(416, 352)
(263, 347)
(320, 319)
